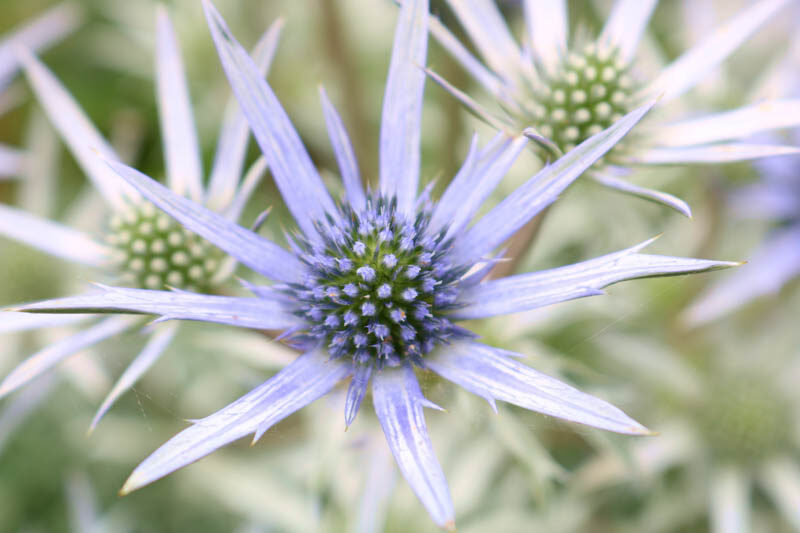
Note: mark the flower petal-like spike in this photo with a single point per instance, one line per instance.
(248, 186)
(398, 404)
(81, 136)
(258, 313)
(739, 123)
(11, 322)
(46, 29)
(547, 27)
(613, 182)
(141, 364)
(489, 81)
(489, 33)
(235, 131)
(491, 374)
(299, 182)
(625, 26)
(309, 377)
(345, 156)
(401, 118)
(715, 153)
(687, 70)
(181, 149)
(469, 190)
(50, 356)
(356, 392)
(53, 238)
(541, 190)
(528, 291)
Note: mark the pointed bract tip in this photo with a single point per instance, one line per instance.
(493, 404)
(645, 244)
(642, 431)
(92, 427)
(131, 484)
(542, 141)
(721, 265)
(430, 405)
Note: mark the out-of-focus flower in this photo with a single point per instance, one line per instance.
(774, 199)
(729, 422)
(38, 34)
(569, 91)
(371, 288)
(777, 260)
(142, 247)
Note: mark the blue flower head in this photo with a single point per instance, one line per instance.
(372, 287)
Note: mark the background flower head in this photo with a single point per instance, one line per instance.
(568, 89)
(141, 247)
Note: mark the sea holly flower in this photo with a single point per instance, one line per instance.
(570, 90)
(37, 34)
(142, 246)
(372, 287)
(728, 431)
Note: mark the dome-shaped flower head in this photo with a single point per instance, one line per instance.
(37, 34)
(142, 247)
(372, 288)
(569, 90)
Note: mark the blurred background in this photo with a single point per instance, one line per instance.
(722, 396)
